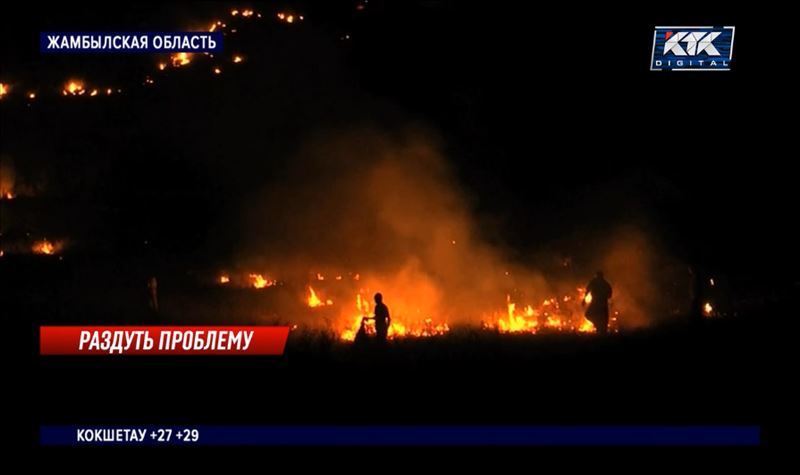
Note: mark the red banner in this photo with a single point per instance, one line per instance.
(162, 340)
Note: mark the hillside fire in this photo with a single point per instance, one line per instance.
(46, 247)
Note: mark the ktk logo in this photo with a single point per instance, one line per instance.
(697, 48)
(696, 43)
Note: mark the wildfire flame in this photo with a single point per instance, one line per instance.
(181, 59)
(4, 89)
(397, 329)
(314, 300)
(258, 281)
(224, 279)
(74, 88)
(289, 17)
(552, 314)
(708, 309)
(44, 247)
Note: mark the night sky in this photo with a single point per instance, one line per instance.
(552, 122)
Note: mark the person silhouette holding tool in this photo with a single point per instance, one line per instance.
(382, 319)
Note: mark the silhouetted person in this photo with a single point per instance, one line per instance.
(597, 312)
(382, 319)
(696, 293)
(152, 293)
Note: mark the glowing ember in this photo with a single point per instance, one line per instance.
(708, 310)
(234, 12)
(314, 300)
(289, 17)
(247, 13)
(74, 88)
(181, 59)
(224, 279)
(162, 66)
(237, 59)
(7, 195)
(258, 281)
(4, 89)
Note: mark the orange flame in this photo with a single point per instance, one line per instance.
(44, 247)
(553, 314)
(181, 59)
(314, 300)
(4, 89)
(74, 88)
(224, 279)
(289, 17)
(399, 328)
(258, 281)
